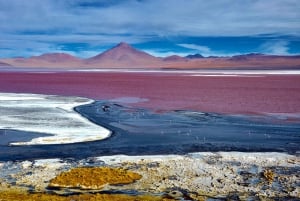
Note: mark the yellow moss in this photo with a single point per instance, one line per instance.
(197, 197)
(93, 178)
(21, 196)
(269, 175)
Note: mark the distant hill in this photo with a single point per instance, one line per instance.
(194, 56)
(2, 64)
(247, 56)
(55, 57)
(125, 56)
(49, 60)
(174, 58)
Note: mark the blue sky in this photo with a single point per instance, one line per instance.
(85, 28)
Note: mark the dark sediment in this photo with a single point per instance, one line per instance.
(142, 132)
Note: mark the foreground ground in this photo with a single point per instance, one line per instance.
(198, 176)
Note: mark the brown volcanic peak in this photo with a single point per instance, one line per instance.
(56, 57)
(123, 55)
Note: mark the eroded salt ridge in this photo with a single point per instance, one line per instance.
(48, 114)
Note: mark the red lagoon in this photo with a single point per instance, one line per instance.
(166, 91)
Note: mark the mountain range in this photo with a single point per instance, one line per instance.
(125, 56)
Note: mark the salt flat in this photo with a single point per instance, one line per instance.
(48, 114)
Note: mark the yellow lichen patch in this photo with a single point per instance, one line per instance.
(197, 197)
(93, 178)
(21, 196)
(269, 175)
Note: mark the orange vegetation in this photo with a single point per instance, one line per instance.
(93, 178)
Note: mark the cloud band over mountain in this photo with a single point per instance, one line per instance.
(85, 27)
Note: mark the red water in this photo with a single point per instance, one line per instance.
(270, 93)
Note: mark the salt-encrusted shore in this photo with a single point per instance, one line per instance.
(195, 176)
(48, 114)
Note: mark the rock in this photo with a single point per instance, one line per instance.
(175, 194)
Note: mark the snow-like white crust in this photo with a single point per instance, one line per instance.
(48, 114)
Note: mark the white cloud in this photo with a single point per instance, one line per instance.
(275, 47)
(85, 54)
(204, 50)
(194, 17)
(166, 53)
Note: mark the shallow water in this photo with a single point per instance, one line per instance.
(141, 132)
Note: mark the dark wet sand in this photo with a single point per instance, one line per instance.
(165, 91)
